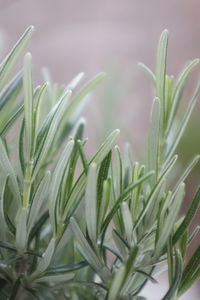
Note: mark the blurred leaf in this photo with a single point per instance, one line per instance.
(46, 257)
(91, 203)
(122, 198)
(148, 71)
(177, 278)
(155, 189)
(56, 278)
(177, 94)
(182, 125)
(88, 252)
(170, 220)
(122, 275)
(154, 137)
(21, 229)
(12, 58)
(187, 171)
(7, 169)
(28, 104)
(78, 189)
(57, 177)
(11, 120)
(66, 268)
(8, 246)
(128, 223)
(102, 176)
(38, 199)
(161, 61)
(46, 144)
(8, 107)
(189, 271)
(188, 218)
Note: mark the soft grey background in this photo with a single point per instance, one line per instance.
(92, 36)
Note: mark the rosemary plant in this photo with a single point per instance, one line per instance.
(73, 227)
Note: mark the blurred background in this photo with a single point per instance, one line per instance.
(112, 36)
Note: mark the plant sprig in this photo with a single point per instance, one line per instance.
(74, 227)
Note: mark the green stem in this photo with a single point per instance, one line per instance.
(27, 184)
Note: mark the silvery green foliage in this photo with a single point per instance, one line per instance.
(73, 227)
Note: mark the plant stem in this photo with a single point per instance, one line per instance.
(27, 184)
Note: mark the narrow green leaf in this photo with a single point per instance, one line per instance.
(170, 259)
(169, 84)
(7, 169)
(118, 172)
(162, 213)
(28, 103)
(114, 251)
(161, 72)
(69, 176)
(38, 225)
(187, 171)
(117, 283)
(104, 204)
(45, 261)
(38, 199)
(188, 284)
(88, 253)
(13, 56)
(3, 223)
(21, 147)
(183, 123)
(154, 137)
(38, 109)
(193, 234)
(134, 201)
(15, 288)
(56, 182)
(75, 81)
(8, 246)
(191, 268)
(183, 243)
(123, 198)
(102, 176)
(121, 247)
(177, 278)
(122, 239)
(55, 278)
(4, 210)
(11, 120)
(179, 90)
(52, 130)
(127, 220)
(83, 157)
(91, 203)
(105, 147)
(170, 219)
(155, 190)
(188, 218)
(83, 92)
(14, 85)
(148, 276)
(78, 189)
(122, 275)
(42, 132)
(66, 268)
(21, 229)
(148, 71)
(131, 259)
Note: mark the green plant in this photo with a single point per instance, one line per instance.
(99, 228)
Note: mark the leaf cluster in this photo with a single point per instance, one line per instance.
(74, 227)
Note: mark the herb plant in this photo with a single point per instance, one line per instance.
(73, 227)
